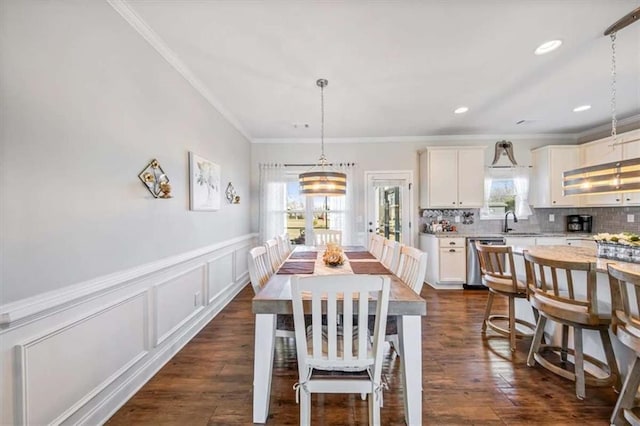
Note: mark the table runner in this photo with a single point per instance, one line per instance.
(296, 268)
(351, 255)
(369, 268)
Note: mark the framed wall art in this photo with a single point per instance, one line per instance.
(204, 184)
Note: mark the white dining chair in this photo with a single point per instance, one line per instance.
(376, 243)
(390, 255)
(284, 246)
(273, 252)
(322, 237)
(345, 348)
(259, 273)
(411, 270)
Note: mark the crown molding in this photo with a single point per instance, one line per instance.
(137, 23)
(417, 139)
(624, 124)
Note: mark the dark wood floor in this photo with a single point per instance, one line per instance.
(467, 379)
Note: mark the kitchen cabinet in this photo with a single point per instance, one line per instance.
(600, 152)
(455, 177)
(423, 176)
(446, 261)
(549, 163)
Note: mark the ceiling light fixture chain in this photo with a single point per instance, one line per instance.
(614, 120)
(322, 83)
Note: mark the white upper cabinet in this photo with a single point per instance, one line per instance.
(549, 163)
(455, 177)
(602, 151)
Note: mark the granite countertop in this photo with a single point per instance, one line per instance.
(580, 254)
(510, 234)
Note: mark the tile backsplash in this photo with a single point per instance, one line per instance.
(605, 219)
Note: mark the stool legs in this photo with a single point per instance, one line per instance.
(537, 340)
(487, 311)
(578, 362)
(627, 394)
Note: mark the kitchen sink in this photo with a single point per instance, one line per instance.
(522, 234)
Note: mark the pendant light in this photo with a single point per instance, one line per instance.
(618, 176)
(322, 180)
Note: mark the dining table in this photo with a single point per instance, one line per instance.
(275, 298)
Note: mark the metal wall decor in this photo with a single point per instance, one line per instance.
(155, 180)
(231, 195)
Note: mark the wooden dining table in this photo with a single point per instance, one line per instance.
(275, 298)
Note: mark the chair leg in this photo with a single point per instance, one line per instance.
(512, 323)
(611, 357)
(565, 343)
(487, 311)
(579, 362)
(627, 394)
(305, 408)
(395, 342)
(537, 339)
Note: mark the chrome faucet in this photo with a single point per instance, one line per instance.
(506, 228)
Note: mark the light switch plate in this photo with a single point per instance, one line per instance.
(631, 218)
(552, 218)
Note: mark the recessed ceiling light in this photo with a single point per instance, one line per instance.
(461, 110)
(581, 108)
(547, 47)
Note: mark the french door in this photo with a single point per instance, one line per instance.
(389, 204)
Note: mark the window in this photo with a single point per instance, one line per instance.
(506, 189)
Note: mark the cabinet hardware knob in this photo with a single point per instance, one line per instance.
(453, 202)
(554, 202)
(452, 243)
(628, 199)
(452, 250)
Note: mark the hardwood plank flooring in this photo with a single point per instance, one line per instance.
(467, 379)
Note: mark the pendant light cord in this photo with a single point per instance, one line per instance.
(322, 83)
(614, 120)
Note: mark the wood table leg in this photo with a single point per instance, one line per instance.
(263, 365)
(411, 349)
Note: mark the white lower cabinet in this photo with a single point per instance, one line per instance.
(446, 264)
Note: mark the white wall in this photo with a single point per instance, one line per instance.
(375, 156)
(101, 284)
(86, 104)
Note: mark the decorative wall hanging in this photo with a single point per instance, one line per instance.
(504, 148)
(155, 180)
(204, 184)
(231, 195)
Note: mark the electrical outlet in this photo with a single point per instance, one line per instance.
(552, 218)
(439, 218)
(631, 218)
(456, 219)
(196, 298)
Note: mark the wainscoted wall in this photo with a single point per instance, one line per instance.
(76, 357)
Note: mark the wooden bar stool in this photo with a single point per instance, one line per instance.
(559, 292)
(625, 325)
(494, 260)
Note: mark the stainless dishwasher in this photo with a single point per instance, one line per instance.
(474, 277)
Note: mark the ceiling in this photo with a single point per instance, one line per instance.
(398, 69)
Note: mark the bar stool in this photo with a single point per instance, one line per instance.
(625, 325)
(494, 260)
(558, 292)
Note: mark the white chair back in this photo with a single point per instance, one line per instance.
(273, 254)
(412, 268)
(284, 246)
(259, 267)
(322, 237)
(391, 255)
(376, 243)
(343, 347)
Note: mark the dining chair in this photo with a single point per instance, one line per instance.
(339, 358)
(273, 253)
(498, 272)
(412, 267)
(390, 255)
(322, 237)
(284, 246)
(259, 273)
(566, 292)
(376, 243)
(625, 325)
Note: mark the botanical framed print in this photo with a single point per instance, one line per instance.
(204, 184)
